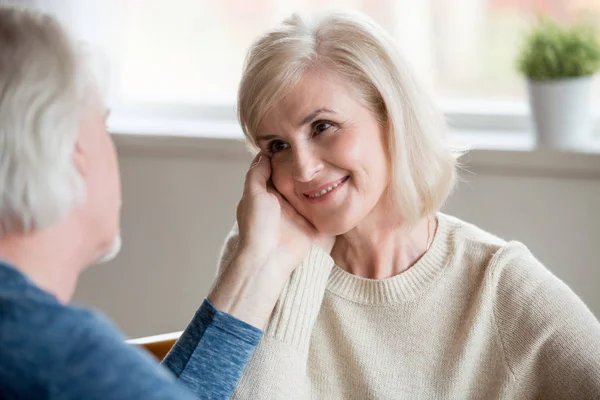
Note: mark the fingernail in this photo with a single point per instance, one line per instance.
(257, 162)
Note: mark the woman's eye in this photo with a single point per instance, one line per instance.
(276, 146)
(321, 126)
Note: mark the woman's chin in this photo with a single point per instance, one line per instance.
(334, 228)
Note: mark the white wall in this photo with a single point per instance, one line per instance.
(179, 202)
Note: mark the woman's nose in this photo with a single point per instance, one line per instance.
(307, 165)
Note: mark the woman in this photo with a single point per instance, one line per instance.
(409, 302)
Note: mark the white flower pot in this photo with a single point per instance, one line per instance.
(561, 112)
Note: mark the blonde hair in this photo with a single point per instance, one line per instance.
(423, 165)
(45, 87)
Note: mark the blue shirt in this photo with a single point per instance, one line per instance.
(52, 351)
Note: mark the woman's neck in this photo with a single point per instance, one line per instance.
(381, 247)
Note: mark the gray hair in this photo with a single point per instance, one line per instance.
(45, 87)
(358, 50)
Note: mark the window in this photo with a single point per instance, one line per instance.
(188, 54)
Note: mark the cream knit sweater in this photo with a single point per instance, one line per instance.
(474, 318)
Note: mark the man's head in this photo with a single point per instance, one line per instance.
(57, 162)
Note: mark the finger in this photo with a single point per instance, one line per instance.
(271, 189)
(292, 213)
(258, 175)
(256, 160)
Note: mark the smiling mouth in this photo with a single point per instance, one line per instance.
(322, 192)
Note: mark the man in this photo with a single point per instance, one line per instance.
(60, 199)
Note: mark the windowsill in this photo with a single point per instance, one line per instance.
(510, 153)
(496, 152)
(511, 141)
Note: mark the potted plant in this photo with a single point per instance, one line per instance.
(559, 63)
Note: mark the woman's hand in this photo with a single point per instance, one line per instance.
(273, 240)
(270, 228)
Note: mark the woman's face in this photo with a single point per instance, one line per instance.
(327, 153)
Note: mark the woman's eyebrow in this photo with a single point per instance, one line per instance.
(266, 138)
(306, 120)
(310, 117)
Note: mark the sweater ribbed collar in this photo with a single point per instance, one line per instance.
(402, 287)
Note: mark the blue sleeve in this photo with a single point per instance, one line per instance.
(212, 352)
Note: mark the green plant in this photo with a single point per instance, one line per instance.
(553, 51)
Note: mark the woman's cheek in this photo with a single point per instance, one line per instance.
(278, 176)
(349, 146)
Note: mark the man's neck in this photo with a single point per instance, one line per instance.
(47, 258)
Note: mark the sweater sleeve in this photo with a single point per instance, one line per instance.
(277, 369)
(210, 356)
(551, 340)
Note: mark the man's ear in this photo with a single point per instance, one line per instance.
(80, 157)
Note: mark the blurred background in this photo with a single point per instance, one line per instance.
(173, 68)
(190, 52)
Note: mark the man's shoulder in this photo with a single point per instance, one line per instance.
(37, 338)
(29, 319)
